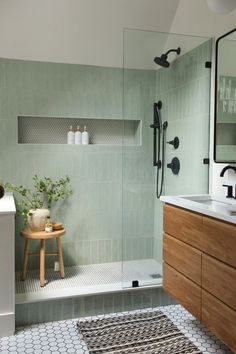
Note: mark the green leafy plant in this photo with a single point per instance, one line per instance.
(44, 194)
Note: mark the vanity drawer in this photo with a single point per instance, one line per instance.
(219, 279)
(183, 224)
(220, 319)
(219, 240)
(182, 257)
(182, 289)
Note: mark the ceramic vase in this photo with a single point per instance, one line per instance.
(37, 219)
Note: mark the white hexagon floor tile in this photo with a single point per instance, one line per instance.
(62, 337)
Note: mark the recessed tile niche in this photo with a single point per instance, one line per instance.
(50, 130)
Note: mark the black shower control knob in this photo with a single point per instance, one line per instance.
(174, 142)
(174, 165)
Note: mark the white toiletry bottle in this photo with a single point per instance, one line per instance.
(48, 225)
(85, 136)
(70, 136)
(78, 136)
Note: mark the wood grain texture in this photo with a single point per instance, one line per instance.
(219, 279)
(219, 240)
(220, 319)
(60, 258)
(183, 224)
(25, 259)
(42, 262)
(182, 257)
(182, 289)
(41, 235)
(202, 249)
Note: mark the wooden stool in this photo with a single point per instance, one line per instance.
(28, 234)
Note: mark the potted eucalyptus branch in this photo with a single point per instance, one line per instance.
(35, 204)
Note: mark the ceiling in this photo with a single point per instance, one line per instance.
(91, 31)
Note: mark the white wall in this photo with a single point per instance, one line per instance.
(194, 17)
(77, 31)
(91, 31)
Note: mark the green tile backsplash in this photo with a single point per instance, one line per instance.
(184, 89)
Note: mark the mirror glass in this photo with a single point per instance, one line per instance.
(225, 99)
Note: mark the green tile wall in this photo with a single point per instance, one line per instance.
(184, 89)
(90, 306)
(138, 172)
(114, 187)
(93, 215)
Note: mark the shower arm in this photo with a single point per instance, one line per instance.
(172, 50)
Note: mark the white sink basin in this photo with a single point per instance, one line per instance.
(209, 200)
(216, 206)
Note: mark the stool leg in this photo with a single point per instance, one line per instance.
(60, 258)
(25, 261)
(42, 262)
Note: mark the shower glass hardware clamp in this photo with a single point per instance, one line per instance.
(135, 284)
(174, 142)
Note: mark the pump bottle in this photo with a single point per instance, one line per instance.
(70, 136)
(85, 136)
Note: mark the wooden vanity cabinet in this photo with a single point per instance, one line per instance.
(199, 268)
(183, 225)
(219, 240)
(182, 289)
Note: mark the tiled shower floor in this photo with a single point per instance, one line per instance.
(62, 337)
(88, 279)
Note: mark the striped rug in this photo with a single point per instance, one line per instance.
(140, 333)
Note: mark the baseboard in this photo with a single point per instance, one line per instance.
(7, 324)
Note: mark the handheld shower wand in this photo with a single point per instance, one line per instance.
(157, 150)
(157, 126)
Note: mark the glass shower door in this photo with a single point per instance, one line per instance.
(184, 90)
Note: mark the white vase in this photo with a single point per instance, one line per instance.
(37, 219)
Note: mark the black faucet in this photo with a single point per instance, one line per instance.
(227, 168)
(230, 188)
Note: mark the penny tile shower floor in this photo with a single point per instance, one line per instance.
(62, 336)
(87, 279)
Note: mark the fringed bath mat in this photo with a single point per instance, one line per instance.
(142, 333)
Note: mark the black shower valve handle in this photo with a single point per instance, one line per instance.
(174, 142)
(174, 165)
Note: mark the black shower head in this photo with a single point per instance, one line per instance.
(162, 60)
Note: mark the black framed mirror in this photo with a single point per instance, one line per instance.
(225, 99)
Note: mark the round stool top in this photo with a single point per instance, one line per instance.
(41, 235)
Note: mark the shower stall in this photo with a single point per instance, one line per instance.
(170, 93)
(149, 130)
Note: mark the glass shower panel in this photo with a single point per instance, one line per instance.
(184, 90)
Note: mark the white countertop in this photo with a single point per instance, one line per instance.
(221, 208)
(7, 204)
